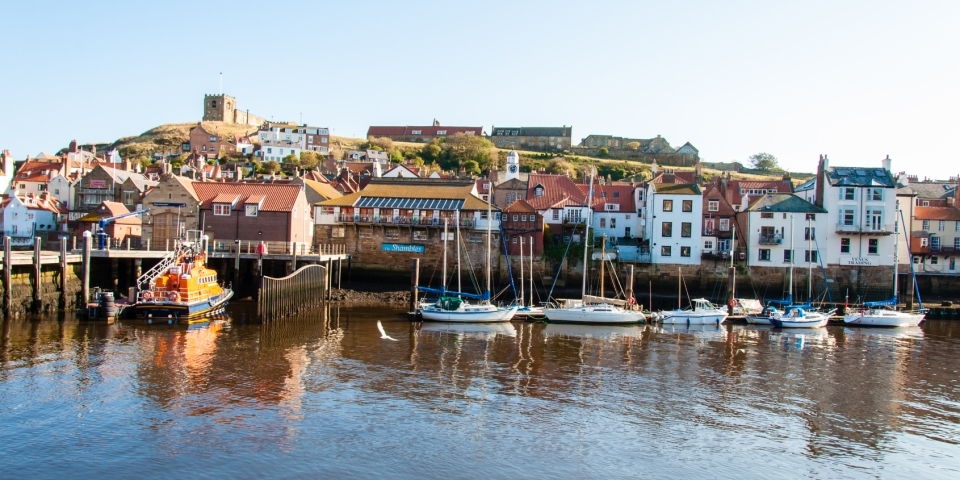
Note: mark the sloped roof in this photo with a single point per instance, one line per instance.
(426, 131)
(676, 188)
(739, 188)
(520, 206)
(936, 213)
(860, 177)
(277, 197)
(31, 201)
(230, 198)
(33, 171)
(678, 177)
(323, 189)
(112, 209)
(558, 191)
(929, 190)
(415, 190)
(783, 202)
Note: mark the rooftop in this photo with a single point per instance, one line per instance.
(783, 202)
(860, 177)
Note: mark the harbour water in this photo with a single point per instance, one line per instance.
(324, 394)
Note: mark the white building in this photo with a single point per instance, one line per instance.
(614, 211)
(7, 173)
(26, 216)
(301, 137)
(783, 228)
(862, 204)
(277, 149)
(674, 218)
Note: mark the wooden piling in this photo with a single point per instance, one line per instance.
(730, 289)
(414, 281)
(62, 305)
(7, 277)
(37, 277)
(629, 287)
(85, 285)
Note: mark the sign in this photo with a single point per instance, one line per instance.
(402, 248)
(857, 261)
(98, 184)
(168, 204)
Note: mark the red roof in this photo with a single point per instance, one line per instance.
(613, 194)
(276, 198)
(426, 131)
(43, 201)
(225, 198)
(558, 191)
(520, 206)
(936, 213)
(736, 186)
(33, 171)
(678, 177)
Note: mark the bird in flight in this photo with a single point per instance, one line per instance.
(383, 334)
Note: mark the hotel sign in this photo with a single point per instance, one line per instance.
(402, 248)
(101, 184)
(857, 261)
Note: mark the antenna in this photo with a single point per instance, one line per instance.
(221, 83)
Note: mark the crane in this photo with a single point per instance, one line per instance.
(102, 228)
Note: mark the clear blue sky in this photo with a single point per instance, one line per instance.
(854, 80)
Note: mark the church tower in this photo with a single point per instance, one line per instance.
(513, 165)
(219, 108)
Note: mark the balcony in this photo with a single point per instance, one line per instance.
(771, 239)
(708, 232)
(573, 219)
(886, 229)
(407, 221)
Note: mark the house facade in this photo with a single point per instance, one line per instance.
(29, 215)
(204, 141)
(173, 206)
(522, 222)
(784, 229)
(719, 224)
(278, 140)
(674, 218)
(935, 239)
(420, 133)
(613, 211)
(254, 212)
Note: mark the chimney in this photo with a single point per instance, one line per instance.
(821, 179)
(654, 167)
(698, 173)
(669, 176)
(887, 163)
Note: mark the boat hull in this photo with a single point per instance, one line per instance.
(692, 318)
(800, 323)
(468, 316)
(758, 319)
(593, 315)
(901, 319)
(529, 312)
(165, 311)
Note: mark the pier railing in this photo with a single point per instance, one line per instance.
(301, 290)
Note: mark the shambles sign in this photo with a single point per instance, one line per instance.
(402, 247)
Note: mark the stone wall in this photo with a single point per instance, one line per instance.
(22, 281)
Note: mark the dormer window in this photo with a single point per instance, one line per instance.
(441, 132)
(221, 209)
(252, 210)
(416, 132)
(538, 191)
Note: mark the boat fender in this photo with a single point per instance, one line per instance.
(631, 301)
(173, 296)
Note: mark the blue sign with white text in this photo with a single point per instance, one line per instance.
(402, 247)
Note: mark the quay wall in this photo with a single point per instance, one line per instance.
(22, 284)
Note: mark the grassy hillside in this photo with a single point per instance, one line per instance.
(168, 137)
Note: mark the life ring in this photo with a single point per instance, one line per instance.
(631, 301)
(147, 296)
(173, 296)
(732, 303)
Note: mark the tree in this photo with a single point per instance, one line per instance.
(633, 145)
(471, 167)
(291, 161)
(396, 156)
(309, 159)
(460, 148)
(271, 167)
(560, 166)
(764, 161)
(431, 152)
(603, 152)
(383, 142)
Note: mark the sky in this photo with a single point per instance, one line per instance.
(854, 80)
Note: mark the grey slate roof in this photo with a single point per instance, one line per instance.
(860, 177)
(808, 185)
(783, 202)
(532, 131)
(928, 190)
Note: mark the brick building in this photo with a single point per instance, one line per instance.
(223, 108)
(254, 212)
(420, 133)
(521, 220)
(532, 138)
(173, 205)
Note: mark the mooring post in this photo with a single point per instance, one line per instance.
(414, 281)
(37, 279)
(329, 280)
(85, 285)
(63, 275)
(730, 292)
(339, 271)
(236, 264)
(629, 284)
(293, 257)
(7, 277)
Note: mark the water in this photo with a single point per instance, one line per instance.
(324, 395)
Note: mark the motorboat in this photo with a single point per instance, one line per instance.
(702, 313)
(797, 317)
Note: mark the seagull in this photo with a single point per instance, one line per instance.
(383, 334)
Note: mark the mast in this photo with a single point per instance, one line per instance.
(586, 234)
(896, 256)
(679, 288)
(809, 262)
(457, 227)
(790, 282)
(489, 223)
(603, 253)
(522, 296)
(733, 280)
(444, 276)
(531, 270)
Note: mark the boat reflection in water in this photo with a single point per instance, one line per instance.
(476, 330)
(593, 331)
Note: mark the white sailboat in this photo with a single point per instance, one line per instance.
(884, 313)
(797, 316)
(593, 309)
(702, 313)
(451, 307)
(527, 310)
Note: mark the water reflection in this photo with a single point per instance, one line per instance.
(573, 400)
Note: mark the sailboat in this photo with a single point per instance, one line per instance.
(884, 313)
(593, 309)
(527, 310)
(451, 306)
(703, 311)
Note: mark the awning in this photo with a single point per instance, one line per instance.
(410, 203)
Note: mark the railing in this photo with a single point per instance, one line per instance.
(708, 231)
(573, 219)
(403, 220)
(299, 291)
(276, 248)
(884, 229)
(771, 239)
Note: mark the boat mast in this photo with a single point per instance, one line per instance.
(522, 295)
(603, 253)
(733, 281)
(896, 257)
(457, 227)
(489, 223)
(679, 288)
(809, 262)
(790, 282)
(444, 276)
(586, 234)
(531, 271)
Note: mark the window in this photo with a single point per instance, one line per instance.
(766, 215)
(666, 230)
(613, 223)
(708, 244)
(934, 242)
(956, 243)
(686, 229)
(665, 251)
(221, 209)
(846, 217)
(514, 239)
(873, 246)
(916, 260)
(876, 194)
(515, 216)
(603, 223)
(523, 218)
(556, 214)
(668, 205)
(809, 233)
(684, 251)
(811, 216)
(956, 226)
(688, 205)
(926, 225)
(538, 192)
(724, 224)
(252, 210)
(844, 245)
(765, 254)
(934, 260)
(848, 193)
(810, 256)
(713, 206)
(416, 132)
(603, 194)
(953, 263)
(942, 225)
(213, 139)
(441, 132)
(924, 242)
(616, 194)
(787, 256)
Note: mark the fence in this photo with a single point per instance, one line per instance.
(297, 292)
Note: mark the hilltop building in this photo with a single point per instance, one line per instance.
(223, 108)
(532, 138)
